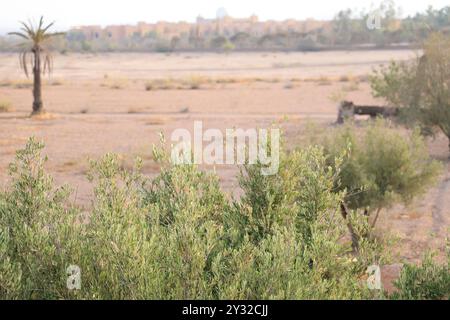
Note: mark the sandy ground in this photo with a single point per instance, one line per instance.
(100, 104)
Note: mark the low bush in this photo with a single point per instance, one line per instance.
(430, 280)
(5, 106)
(420, 88)
(178, 236)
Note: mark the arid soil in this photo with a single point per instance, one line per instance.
(120, 102)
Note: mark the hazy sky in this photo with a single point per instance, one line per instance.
(69, 13)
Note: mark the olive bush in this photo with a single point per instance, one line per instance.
(177, 236)
(421, 87)
(382, 166)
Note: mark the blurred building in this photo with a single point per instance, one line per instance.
(222, 25)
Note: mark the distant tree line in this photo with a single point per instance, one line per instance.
(347, 29)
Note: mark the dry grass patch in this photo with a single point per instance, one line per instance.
(23, 84)
(337, 96)
(161, 84)
(156, 121)
(191, 83)
(70, 163)
(324, 81)
(5, 106)
(352, 86)
(195, 83)
(6, 83)
(345, 78)
(44, 116)
(17, 84)
(115, 84)
(134, 110)
(200, 82)
(56, 82)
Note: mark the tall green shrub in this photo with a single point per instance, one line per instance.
(421, 87)
(382, 166)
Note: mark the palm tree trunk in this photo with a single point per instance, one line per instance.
(38, 106)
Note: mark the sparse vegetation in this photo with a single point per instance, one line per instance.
(115, 83)
(156, 121)
(345, 78)
(338, 96)
(134, 111)
(161, 84)
(5, 83)
(17, 84)
(324, 81)
(352, 86)
(198, 82)
(430, 280)
(22, 84)
(5, 106)
(56, 82)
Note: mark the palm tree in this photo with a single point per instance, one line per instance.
(34, 54)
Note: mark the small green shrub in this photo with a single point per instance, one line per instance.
(37, 230)
(427, 281)
(382, 166)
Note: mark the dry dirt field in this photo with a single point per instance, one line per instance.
(120, 102)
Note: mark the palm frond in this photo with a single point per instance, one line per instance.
(48, 63)
(48, 27)
(37, 33)
(27, 29)
(32, 57)
(19, 34)
(23, 61)
(41, 22)
(31, 27)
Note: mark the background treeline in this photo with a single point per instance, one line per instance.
(347, 30)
